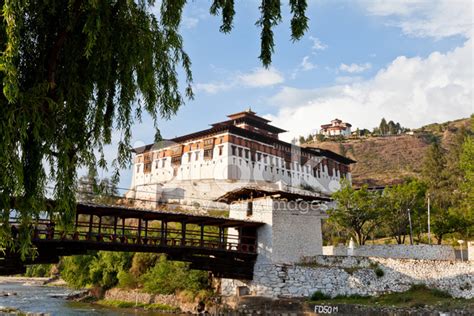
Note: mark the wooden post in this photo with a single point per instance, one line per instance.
(202, 235)
(123, 229)
(146, 231)
(77, 220)
(100, 224)
(139, 233)
(163, 232)
(183, 234)
(221, 236)
(115, 225)
(91, 217)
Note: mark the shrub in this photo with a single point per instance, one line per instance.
(97, 269)
(142, 262)
(318, 295)
(379, 272)
(38, 270)
(127, 280)
(168, 277)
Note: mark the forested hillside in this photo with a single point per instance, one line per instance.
(386, 160)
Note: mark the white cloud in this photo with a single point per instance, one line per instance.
(355, 68)
(258, 77)
(190, 22)
(261, 77)
(212, 88)
(413, 91)
(306, 65)
(317, 44)
(426, 18)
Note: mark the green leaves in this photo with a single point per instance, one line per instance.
(270, 17)
(76, 72)
(299, 22)
(356, 211)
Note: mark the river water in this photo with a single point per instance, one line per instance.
(51, 300)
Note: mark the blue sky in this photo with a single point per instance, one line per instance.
(410, 61)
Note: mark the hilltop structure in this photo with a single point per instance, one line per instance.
(336, 128)
(245, 149)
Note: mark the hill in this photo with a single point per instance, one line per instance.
(390, 159)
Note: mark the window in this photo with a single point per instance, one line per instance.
(259, 156)
(249, 208)
(240, 152)
(138, 168)
(246, 154)
(176, 160)
(163, 163)
(234, 151)
(189, 157)
(264, 158)
(196, 156)
(208, 154)
(156, 164)
(147, 167)
(221, 150)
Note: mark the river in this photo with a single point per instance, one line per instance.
(51, 300)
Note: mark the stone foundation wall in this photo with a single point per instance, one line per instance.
(146, 298)
(422, 252)
(335, 275)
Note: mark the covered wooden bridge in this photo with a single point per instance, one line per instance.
(203, 241)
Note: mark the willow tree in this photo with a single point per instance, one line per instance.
(74, 72)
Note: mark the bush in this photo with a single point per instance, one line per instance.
(142, 262)
(38, 270)
(97, 269)
(379, 272)
(126, 280)
(318, 295)
(168, 277)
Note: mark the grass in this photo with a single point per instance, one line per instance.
(124, 304)
(416, 296)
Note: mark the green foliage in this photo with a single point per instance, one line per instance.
(90, 189)
(397, 201)
(356, 211)
(127, 280)
(99, 269)
(168, 277)
(447, 174)
(73, 72)
(142, 262)
(38, 270)
(318, 295)
(320, 137)
(379, 272)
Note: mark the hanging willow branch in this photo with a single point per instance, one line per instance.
(75, 72)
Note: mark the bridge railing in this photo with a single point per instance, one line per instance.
(149, 236)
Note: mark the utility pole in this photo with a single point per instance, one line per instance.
(429, 225)
(411, 228)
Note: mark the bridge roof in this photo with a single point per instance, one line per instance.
(250, 192)
(128, 212)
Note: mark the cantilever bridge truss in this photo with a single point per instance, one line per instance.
(203, 241)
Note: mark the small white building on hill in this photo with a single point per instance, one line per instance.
(336, 128)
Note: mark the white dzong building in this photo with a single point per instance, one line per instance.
(197, 168)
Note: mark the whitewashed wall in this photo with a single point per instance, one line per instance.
(427, 252)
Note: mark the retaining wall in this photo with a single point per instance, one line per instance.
(336, 275)
(422, 252)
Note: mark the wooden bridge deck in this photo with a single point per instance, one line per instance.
(203, 241)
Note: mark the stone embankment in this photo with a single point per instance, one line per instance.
(135, 296)
(333, 276)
